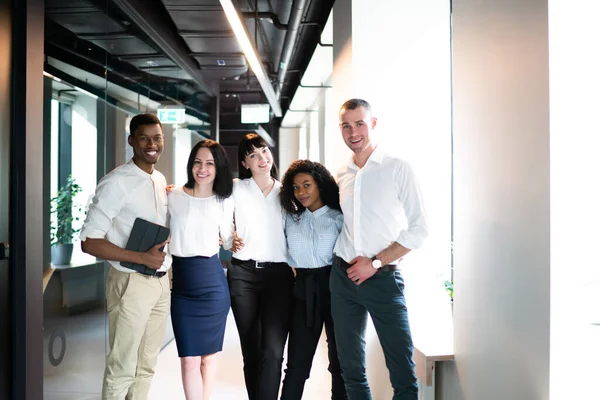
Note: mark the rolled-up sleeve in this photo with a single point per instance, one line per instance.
(105, 206)
(412, 201)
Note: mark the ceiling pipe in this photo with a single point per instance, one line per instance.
(266, 16)
(290, 42)
(168, 41)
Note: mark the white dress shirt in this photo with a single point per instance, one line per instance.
(311, 238)
(197, 222)
(381, 203)
(259, 222)
(124, 194)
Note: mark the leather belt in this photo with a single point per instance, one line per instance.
(157, 274)
(384, 268)
(142, 269)
(257, 264)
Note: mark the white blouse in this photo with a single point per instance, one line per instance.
(260, 222)
(197, 222)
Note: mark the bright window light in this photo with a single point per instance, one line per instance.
(255, 113)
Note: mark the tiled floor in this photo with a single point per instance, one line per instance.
(230, 378)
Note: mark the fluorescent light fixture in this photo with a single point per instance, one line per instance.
(255, 113)
(51, 76)
(242, 37)
(260, 131)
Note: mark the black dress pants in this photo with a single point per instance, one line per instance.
(312, 310)
(261, 301)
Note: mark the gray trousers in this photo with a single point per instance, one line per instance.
(381, 296)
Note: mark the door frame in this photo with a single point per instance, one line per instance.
(26, 233)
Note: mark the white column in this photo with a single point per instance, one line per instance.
(288, 148)
(502, 200)
(166, 161)
(575, 198)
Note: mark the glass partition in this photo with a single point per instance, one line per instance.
(76, 155)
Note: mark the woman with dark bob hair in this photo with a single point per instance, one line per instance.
(201, 211)
(313, 223)
(260, 280)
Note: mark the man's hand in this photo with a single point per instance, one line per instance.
(154, 258)
(169, 188)
(238, 243)
(361, 269)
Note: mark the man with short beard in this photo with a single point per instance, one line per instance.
(137, 302)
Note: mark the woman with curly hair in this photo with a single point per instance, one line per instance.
(314, 220)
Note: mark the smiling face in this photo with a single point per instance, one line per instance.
(306, 191)
(203, 169)
(259, 161)
(147, 143)
(356, 126)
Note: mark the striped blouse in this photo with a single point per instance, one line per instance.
(311, 239)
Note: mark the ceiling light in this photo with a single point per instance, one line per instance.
(242, 37)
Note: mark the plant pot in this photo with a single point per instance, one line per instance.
(61, 253)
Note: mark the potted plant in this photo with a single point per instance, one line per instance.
(62, 232)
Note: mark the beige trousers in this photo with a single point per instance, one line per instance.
(138, 307)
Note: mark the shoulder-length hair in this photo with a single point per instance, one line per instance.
(223, 184)
(328, 188)
(247, 145)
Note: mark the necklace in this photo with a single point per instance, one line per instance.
(269, 186)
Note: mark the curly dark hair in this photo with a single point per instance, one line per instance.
(328, 188)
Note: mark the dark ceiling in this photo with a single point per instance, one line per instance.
(184, 51)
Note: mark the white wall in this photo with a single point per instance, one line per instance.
(183, 146)
(288, 148)
(123, 151)
(399, 61)
(502, 201)
(166, 162)
(575, 198)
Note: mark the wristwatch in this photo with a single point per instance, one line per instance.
(375, 262)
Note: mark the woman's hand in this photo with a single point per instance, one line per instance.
(169, 188)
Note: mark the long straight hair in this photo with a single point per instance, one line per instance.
(247, 145)
(223, 184)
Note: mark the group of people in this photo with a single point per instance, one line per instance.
(308, 252)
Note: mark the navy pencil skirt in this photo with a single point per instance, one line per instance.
(199, 305)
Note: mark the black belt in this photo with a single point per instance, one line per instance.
(257, 264)
(384, 268)
(313, 293)
(142, 269)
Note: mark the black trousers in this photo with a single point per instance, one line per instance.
(312, 310)
(261, 301)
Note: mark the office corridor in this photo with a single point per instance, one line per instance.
(230, 378)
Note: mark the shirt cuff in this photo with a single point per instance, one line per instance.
(410, 241)
(91, 234)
